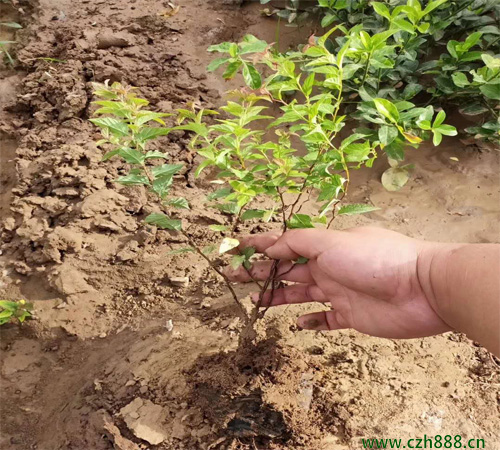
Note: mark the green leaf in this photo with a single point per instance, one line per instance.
(474, 109)
(218, 227)
(179, 202)
(148, 133)
(460, 79)
(395, 178)
(300, 221)
(351, 210)
(395, 150)
(166, 170)
(198, 128)
(491, 61)
(180, 251)
(11, 25)
(382, 10)
(133, 179)
(216, 63)
(441, 115)
(436, 138)
(237, 261)
(110, 154)
(404, 25)
(219, 193)
(227, 245)
(252, 76)
(387, 109)
(228, 208)
(149, 116)
(155, 154)
(253, 214)
(10, 305)
(131, 155)
(209, 249)
(491, 91)
(447, 130)
(251, 44)
(308, 85)
(387, 134)
(248, 252)
(231, 69)
(116, 127)
(221, 48)
(164, 222)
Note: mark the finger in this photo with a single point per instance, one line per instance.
(324, 320)
(261, 270)
(306, 242)
(291, 295)
(260, 241)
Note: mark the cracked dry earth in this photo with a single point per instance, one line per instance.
(134, 348)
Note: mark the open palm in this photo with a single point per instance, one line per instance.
(369, 276)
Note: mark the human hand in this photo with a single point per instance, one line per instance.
(370, 276)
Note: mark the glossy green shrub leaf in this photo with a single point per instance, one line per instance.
(252, 76)
(491, 91)
(387, 109)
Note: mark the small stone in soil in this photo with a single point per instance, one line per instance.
(180, 281)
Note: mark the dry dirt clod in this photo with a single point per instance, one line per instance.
(102, 421)
(145, 420)
(107, 39)
(68, 281)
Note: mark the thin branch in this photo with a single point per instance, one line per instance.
(205, 257)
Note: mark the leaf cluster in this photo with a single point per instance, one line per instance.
(13, 311)
(407, 65)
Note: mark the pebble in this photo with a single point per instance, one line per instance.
(180, 281)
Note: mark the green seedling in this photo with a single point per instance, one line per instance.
(305, 161)
(14, 311)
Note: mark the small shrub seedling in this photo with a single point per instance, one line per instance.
(14, 311)
(285, 162)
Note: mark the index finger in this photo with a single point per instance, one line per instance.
(308, 242)
(261, 242)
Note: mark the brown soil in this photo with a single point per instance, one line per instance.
(100, 367)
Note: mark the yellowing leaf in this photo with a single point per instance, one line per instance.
(412, 138)
(228, 244)
(395, 178)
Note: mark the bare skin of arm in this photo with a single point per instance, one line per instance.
(383, 283)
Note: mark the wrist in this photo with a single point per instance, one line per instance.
(432, 272)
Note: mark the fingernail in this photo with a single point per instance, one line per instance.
(269, 252)
(309, 324)
(255, 298)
